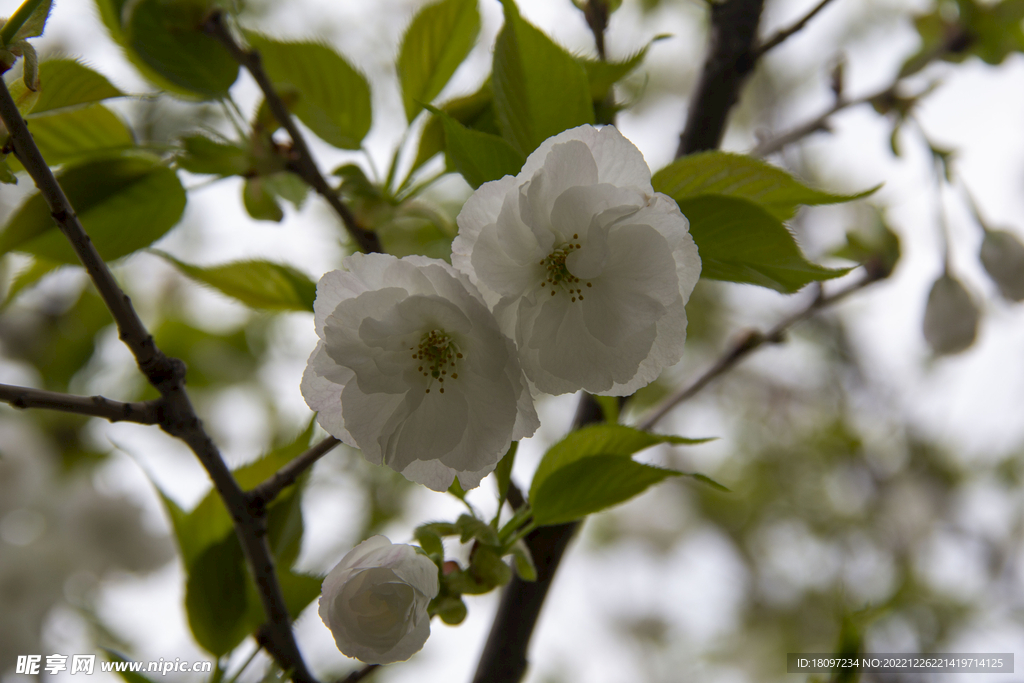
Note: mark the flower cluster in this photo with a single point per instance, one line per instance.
(572, 275)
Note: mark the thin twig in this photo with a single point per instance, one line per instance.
(730, 59)
(302, 164)
(264, 493)
(142, 412)
(819, 123)
(753, 340)
(167, 375)
(782, 35)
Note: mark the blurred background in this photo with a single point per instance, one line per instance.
(877, 487)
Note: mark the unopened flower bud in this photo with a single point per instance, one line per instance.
(1002, 254)
(950, 317)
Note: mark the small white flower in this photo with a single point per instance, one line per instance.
(412, 368)
(375, 601)
(584, 265)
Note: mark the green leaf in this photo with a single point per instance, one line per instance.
(6, 174)
(26, 22)
(736, 175)
(456, 490)
(478, 156)
(539, 88)
(70, 135)
(707, 481)
(603, 75)
(609, 408)
(503, 472)
(124, 203)
(741, 242)
(299, 590)
(260, 202)
(525, 568)
(429, 540)
(333, 98)
(68, 83)
(590, 485)
(167, 38)
(474, 111)
(28, 277)
(216, 599)
(24, 98)
(209, 522)
(435, 44)
(469, 527)
(288, 186)
(259, 284)
(601, 439)
(203, 155)
(111, 13)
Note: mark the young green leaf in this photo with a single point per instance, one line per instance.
(298, 589)
(602, 75)
(125, 204)
(736, 175)
(503, 472)
(27, 277)
(739, 241)
(203, 155)
(590, 485)
(601, 439)
(260, 202)
(69, 83)
(435, 44)
(474, 111)
(216, 597)
(524, 561)
(26, 22)
(331, 97)
(478, 157)
(78, 134)
(168, 39)
(472, 528)
(539, 88)
(6, 173)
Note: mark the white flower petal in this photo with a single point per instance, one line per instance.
(619, 162)
(601, 306)
(324, 396)
(413, 368)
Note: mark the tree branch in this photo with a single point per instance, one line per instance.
(167, 375)
(731, 58)
(504, 657)
(753, 340)
(819, 123)
(264, 493)
(143, 412)
(784, 34)
(303, 164)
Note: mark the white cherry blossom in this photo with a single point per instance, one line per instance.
(583, 264)
(375, 601)
(412, 368)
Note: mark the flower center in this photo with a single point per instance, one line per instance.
(558, 276)
(437, 355)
